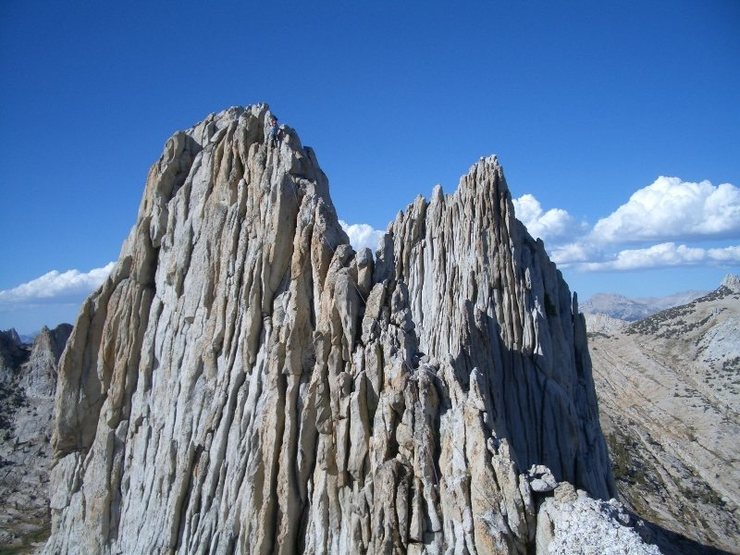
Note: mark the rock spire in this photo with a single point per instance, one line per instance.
(244, 381)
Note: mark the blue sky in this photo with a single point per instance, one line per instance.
(587, 105)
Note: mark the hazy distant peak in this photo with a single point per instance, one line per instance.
(630, 310)
(616, 306)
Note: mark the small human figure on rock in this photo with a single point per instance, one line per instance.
(272, 130)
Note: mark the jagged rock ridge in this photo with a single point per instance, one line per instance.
(245, 382)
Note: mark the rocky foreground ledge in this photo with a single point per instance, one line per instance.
(246, 382)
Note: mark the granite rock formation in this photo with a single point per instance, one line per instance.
(26, 406)
(244, 381)
(669, 391)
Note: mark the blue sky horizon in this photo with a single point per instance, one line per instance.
(617, 125)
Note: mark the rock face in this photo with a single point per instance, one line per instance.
(601, 323)
(245, 382)
(669, 389)
(26, 405)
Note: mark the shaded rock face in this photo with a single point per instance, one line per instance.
(26, 406)
(13, 353)
(245, 382)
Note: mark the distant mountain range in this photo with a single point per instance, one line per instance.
(631, 310)
(27, 338)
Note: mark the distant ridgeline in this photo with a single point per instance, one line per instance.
(631, 310)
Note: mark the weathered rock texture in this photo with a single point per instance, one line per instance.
(26, 406)
(669, 391)
(245, 382)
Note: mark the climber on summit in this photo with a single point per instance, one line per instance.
(272, 130)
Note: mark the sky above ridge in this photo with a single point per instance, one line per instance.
(617, 123)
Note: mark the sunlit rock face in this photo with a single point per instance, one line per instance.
(246, 382)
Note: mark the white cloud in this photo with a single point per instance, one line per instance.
(570, 253)
(56, 287)
(665, 255)
(362, 235)
(552, 224)
(666, 216)
(671, 209)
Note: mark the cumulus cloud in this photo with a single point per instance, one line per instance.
(664, 255)
(666, 216)
(551, 224)
(56, 287)
(570, 253)
(671, 209)
(362, 235)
